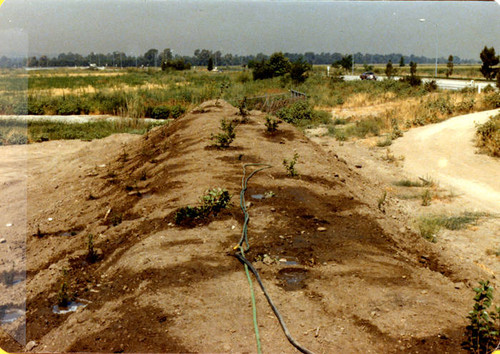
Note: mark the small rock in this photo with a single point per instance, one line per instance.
(402, 230)
(8, 225)
(321, 229)
(248, 204)
(2, 240)
(233, 227)
(424, 292)
(267, 260)
(283, 260)
(273, 209)
(458, 285)
(50, 219)
(31, 345)
(358, 166)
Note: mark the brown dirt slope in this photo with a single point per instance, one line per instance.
(356, 280)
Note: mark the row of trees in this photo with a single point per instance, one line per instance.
(280, 65)
(155, 58)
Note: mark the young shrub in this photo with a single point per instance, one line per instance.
(271, 124)
(429, 227)
(299, 111)
(483, 331)
(213, 201)
(426, 198)
(386, 142)
(63, 297)
(160, 112)
(430, 86)
(177, 111)
(488, 136)
(290, 166)
(224, 139)
(91, 252)
(242, 106)
(396, 132)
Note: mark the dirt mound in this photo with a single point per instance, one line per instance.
(345, 275)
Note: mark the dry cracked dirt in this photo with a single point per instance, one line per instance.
(346, 275)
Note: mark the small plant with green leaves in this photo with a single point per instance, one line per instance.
(271, 124)
(224, 139)
(290, 166)
(428, 227)
(396, 132)
(92, 255)
(426, 197)
(213, 201)
(63, 297)
(483, 331)
(242, 106)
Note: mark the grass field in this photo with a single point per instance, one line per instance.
(138, 93)
(15, 132)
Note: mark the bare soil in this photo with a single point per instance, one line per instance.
(357, 279)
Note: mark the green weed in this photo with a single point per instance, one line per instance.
(290, 166)
(429, 227)
(213, 201)
(271, 124)
(224, 139)
(483, 331)
(426, 197)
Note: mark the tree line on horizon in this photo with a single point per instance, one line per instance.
(201, 57)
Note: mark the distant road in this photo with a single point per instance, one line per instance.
(442, 83)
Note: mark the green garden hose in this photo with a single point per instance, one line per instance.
(248, 265)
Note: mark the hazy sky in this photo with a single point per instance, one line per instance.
(248, 27)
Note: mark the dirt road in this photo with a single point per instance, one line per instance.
(446, 153)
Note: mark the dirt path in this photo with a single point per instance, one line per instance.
(447, 154)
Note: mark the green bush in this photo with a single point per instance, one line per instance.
(177, 111)
(271, 124)
(298, 111)
(362, 128)
(17, 139)
(290, 166)
(430, 86)
(160, 112)
(492, 100)
(488, 136)
(213, 201)
(483, 331)
(224, 139)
